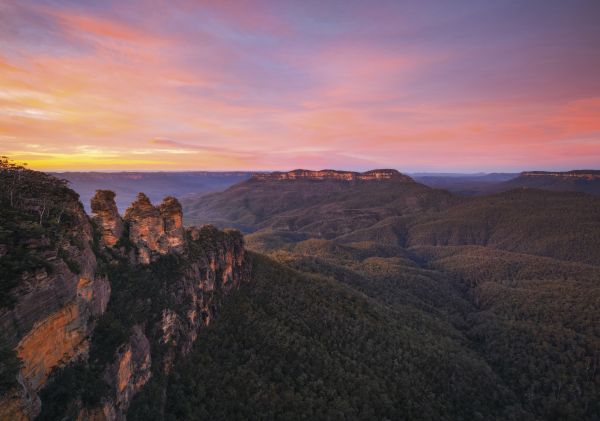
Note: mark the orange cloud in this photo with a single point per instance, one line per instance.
(223, 86)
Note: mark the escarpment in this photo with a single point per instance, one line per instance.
(322, 175)
(115, 300)
(583, 181)
(164, 304)
(57, 295)
(175, 286)
(579, 174)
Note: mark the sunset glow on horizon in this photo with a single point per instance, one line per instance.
(241, 85)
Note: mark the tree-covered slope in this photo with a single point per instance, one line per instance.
(536, 324)
(327, 208)
(93, 310)
(583, 181)
(561, 225)
(532, 319)
(375, 300)
(297, 346)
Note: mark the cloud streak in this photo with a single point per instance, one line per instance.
(272, 85)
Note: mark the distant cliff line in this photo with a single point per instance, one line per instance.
(586, 174)
(300, 174)
(114, 300)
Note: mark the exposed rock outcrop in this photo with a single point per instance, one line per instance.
(154, 230)
(579, 174)
(583, 181)
(145, 227)
(212, 273)
(373, 175)
(16, 405)
(127, 375)
(55, 309)
(131, 370)
(106, 216)
(212, 265)
(172, 215)
(58, 303)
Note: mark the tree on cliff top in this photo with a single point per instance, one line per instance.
(31, 191)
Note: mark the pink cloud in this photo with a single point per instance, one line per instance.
(272, 86)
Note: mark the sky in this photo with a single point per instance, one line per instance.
(462, 86)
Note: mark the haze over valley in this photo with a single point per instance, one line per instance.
(194, 184)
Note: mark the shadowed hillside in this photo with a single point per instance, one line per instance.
(584, 181)
(464, 184)
(318, 206)
(299, 346)
(379, 298)
(516, 273)
(561, 225)
(405, 213)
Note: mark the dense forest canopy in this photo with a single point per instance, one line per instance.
(390, 301)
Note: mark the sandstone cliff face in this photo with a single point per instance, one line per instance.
(106, 216)
(127, 375)
(589, 175)
(373, 175)
(154, 230)
(212, 273)
(55, 310)
(51, 324)
(211, 265)
(172, 215)
(130, 372)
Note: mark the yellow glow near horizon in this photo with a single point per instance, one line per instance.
(204, 86)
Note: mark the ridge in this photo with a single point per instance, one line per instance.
(328, 174)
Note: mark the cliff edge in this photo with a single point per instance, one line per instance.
(324, 175)
(117, 299)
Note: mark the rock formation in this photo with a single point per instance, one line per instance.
(55, 311)
(212, 273)
(373, 175)
(172, 215)
(107, 217)
(127, 375)
(583, 181)
(154, 230)
(58, 304)
(213, 265)
(579, 174)
(131, 370)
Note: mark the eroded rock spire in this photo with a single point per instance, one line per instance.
(155, 230)
(106, 216)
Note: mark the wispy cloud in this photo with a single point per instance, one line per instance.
(277, 84)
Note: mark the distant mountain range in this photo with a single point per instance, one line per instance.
(327, 204)
(512, 276)
(195, 184)
(398, 211)
(585, 181)
(156, 185)
(351, 296)
(464, 184)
